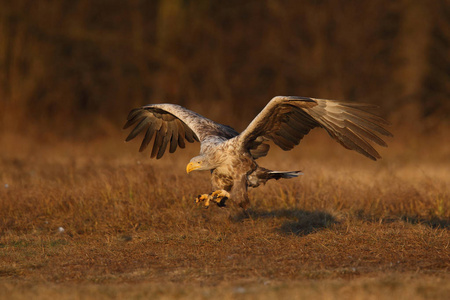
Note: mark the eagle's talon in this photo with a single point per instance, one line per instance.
(206, 206)
(221, 203)
(201, 198)
(220, 196)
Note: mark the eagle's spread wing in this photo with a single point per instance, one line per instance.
(173, 124)
(285, 120)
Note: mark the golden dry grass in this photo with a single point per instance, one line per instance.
(349, 228)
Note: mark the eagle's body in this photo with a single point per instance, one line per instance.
(231, 157)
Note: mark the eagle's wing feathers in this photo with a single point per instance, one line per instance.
(171, 125)
(286, 120)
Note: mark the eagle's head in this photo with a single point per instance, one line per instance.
(199, 163)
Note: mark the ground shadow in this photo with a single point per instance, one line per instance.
(433, 222)
(296, 221)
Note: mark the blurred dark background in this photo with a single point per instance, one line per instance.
(77, 66)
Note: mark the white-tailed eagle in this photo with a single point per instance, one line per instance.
(231, 156)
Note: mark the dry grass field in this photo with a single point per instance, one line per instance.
(96, 219)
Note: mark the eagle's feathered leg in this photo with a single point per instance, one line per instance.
(239, 192)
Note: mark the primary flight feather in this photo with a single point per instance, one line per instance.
(231, 156)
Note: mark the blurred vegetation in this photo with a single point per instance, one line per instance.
(74, 65)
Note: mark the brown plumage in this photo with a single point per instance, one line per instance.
(231, 156)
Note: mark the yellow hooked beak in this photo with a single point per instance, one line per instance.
(192, 166)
